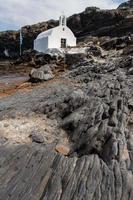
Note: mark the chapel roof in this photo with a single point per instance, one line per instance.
(45, 33)
(62, 22)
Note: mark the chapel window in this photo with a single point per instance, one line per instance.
(63, 43)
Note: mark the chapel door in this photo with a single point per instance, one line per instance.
(63, 43)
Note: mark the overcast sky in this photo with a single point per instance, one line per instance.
(17, 13)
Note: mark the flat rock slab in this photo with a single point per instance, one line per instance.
(11, 81)
(34, 172)
(91, 117)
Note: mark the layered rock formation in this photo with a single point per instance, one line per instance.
(71, 138)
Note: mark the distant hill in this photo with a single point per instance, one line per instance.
(128, 4)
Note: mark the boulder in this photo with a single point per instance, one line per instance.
(126, 62)
(49, 57)
(130, 71)
(128, 50)
(74, 58)
(94, 50)
(56, 54)
(43, 73)
(38, 138)
(63, 149)
(130, 104)
(39, 59)
(116, 43)
(3, 140)
(28, 55)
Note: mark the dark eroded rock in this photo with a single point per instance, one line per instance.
(38, 138)
(93, 107)
(40, 173)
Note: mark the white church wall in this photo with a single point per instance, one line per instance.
(52, 37)
(41, 45)
(71, 42)
(61, 32)
(53, 42)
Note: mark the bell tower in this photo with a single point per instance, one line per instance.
(62, 20)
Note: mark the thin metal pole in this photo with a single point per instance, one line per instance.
(20, 50)
(20, 42)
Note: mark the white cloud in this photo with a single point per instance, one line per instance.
(19, 13)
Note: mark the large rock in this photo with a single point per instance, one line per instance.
(40, 59)
(74, 58)
(130, 71)
(43, 73)
(126, 62)
(117, 43)
(38, 138)
(56, 54)
(49, 57)
(9, 40)
(128, 50)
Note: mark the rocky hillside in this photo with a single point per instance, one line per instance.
(70, 138)
(92, 21)
(128, 4)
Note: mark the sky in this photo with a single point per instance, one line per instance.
(17, 13)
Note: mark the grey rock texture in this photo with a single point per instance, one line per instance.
(56, 54)
(92, 104)
(118, 42)
(52, 176)
(43, 73)
(37, 138)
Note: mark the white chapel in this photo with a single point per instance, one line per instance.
(58, 37)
